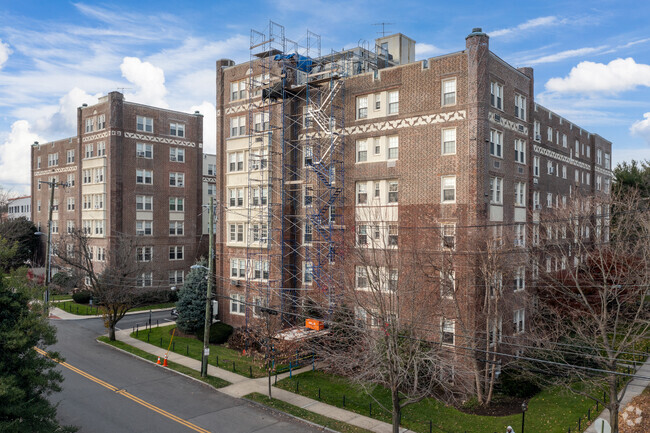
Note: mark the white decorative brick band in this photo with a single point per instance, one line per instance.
(100, 135)
(603, 171)
(165, 140)
(209, 179)
(508, 124)
(56, 170)
(242, 107)
(549, 153)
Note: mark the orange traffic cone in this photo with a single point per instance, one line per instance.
(165, 361)
(158, 362)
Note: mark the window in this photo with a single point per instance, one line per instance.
(563, 171)
(212, 169)
(101, 148)
(260, 196)
(238, 90)
(90, 122)
(143, 228)
(238, 268)
(449, 92)
(86, 226)
(38, 165)
(101, 254)
(144, 202)
(564, 141)
(361, 277)
(362, 235)
(496, 143)
(362, 151)
(258, 82)
(70, 180)
(496, 95)
(260, 270)
(393, 102)
(362, 107)
(70, 227)
(237, 304)
(261, 122)
(53, 159)
(70, 203)
(449, 236)
(144, 177)
(143, 150)
(599, 157)
(212, 189)
(236, 162)
(176, 252)
(144, 124)
(536, 166)
(55, 227)
(70, 158)
(144, 279)
(260, 232)
(496, 284)
(549, 134)
(598, 182)
(176, 154)
(393, 235)
(392, 191)
(520, 194)
(447, 284)
(538, 131)
(549, 167)
(588, 151)
(177, 179)
(449, 141)
(308, 233)
(496, 190)
(176, 228)
(520, 106)
(536, 200)
(447, 327)
(549, 199)
(377, 101)
(176, 204)
(177, 129)
(101, 122)
(99, 175)
(393, 147)
(448, 189)
(377, 190)
(588, 178)
(520, 235)
(607, 162)
(393, 279)
(362, 193)
(377, 146)
(99, 227)
(144, 254)
(308, 154)
(98, 200)
(176, 277)
(520, 151)
(519, 321)
(237, 126)
(520, 278)
(308, 195)
(236, 233)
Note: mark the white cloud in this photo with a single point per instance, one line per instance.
(641, 128)
(16, 157)
(530, 24)
(202, 53)
(423, 50)
(149, 79)
(562, 55)
(589, 77)
(209, 125)
(5, 51)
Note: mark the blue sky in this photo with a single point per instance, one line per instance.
(591, 58)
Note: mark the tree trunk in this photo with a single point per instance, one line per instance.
(269, 383)
(397, 410)
(111, 332)
(613, 405)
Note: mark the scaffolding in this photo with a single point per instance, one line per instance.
(296, 173)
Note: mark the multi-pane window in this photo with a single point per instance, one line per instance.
(176, 252)
(393, 147)
(449, 141)
(536, 166)
(144, 124)
(70, 227)
(259, 159)
(549, 134)
(520, 235)
(362, 107)
(393, 191)
(564, 141)
(101, 148)
(549, 167)
(236, 232)
(261, 122)
(362, 235)
(449, 236)
(393, 235)
(449, 92)
(177, 179)
(496, 190)
(496, 143)
(519, 321)
(176, 277)
(448, 184)
(144, 254)
(237, 304)
(447, 331)
(38, 165)
(90, 123)
(101, 122)
(536, 200)
(52, 159)
(176, 204)
(144, 177)
(212, 189)
(144, 150)
(260, 232)
(70, 203)
(99, 175)
(377, 194)
(308, 233)
(236, 161)
(307, 272)
(87, 201)
(361, 277)
(496, 95)
(55, 227)
(520, 278)
(308, 155)
(447, 284)
(70, 179)
(520, 193)
(101, 254)
(588, 151)
(520, 151)
(87, 227)
(362, 151)
(70, 156)
(598, 182)
(143, 227)
(520, 106)
(599, 157)
(362, 193)
(144, 202)
(308, 195)
(176, 154)
(607, 161)
(238, 268)
(393, 102)
(99, 227)
(212, 169)
(176, 228)
(538, 131)
(144, 279)
(98, 200)
(564, 171)
(177, 129)
(237, 126)
(238, 90)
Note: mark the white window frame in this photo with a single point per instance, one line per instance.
(496, 143)
(144, 150)
(496, 190)
(393, 102)
(144, 124)
(362, 107)
(176, 154)
(448, 141)
(177, 129)
(448, 91)
(496, 95)
(446, 185)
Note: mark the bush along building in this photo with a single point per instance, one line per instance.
(363, 168)
(131, 170)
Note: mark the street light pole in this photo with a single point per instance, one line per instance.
(208, 294)
(524, 407)
(48, 261)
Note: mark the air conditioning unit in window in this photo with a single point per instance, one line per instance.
(538, 137)
(497, 118)
(235, 283)
(521, 128)
(139, 154)
(535, 180)
(538, 207)
(172, 158)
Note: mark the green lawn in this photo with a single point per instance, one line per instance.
(61, 297)
(86, 310)
(280, 405)
(551, 411)
(193, 348)
(211, 380)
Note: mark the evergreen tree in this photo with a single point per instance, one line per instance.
(191, 300)
(19, 232)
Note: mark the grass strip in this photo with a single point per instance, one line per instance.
(296, 411)
(210, 380)
(86, 310)
(228, 359)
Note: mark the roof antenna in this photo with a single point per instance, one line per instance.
(383, 27)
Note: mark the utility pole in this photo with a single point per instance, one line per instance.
(48, 260)
(208, 294)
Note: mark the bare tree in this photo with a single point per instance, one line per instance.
(116, 281)
(593, 294)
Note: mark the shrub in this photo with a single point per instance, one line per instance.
(514, 384)
(219, 333)
(82, 297)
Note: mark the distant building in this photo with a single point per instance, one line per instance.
(19, 207)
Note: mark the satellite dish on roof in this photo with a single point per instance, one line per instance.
(602, 426)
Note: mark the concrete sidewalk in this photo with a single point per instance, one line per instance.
(634, 388)
(241, 386)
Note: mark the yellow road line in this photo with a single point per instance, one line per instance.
(126, 394)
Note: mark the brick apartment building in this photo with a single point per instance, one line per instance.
(449, 143)
(131, 169)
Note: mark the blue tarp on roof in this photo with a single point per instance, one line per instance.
(303, 63)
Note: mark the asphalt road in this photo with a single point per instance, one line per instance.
(110, 391)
